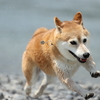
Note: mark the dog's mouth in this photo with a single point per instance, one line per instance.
(79, 59)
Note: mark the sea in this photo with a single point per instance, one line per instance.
(20, 18)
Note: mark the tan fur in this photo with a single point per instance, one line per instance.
(43, 56)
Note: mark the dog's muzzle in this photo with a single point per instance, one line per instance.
(85, 55)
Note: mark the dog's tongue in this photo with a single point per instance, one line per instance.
(83, 59)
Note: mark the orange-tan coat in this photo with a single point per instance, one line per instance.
(58, 53)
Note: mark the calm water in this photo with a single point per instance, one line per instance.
(20, 18)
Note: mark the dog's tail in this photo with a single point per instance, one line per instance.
(40, 30)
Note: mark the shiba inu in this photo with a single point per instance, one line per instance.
(59, 52)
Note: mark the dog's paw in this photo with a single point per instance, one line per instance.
(96, 74)
(90, 95)
(27, 89)
(37, 94)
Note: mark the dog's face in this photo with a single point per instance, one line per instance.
(72, 38)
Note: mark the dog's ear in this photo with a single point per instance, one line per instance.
(58, 23)
(78, 18)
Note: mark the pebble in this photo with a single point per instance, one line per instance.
(1, 96)
(12, 88)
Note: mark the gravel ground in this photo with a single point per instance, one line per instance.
(11, 88)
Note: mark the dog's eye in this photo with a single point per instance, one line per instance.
(73, 43)
(85, 40)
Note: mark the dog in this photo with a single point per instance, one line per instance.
(59, 52)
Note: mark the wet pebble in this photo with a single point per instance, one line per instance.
(18, 97)
(1, 96)
(78, 98)
(12, 88)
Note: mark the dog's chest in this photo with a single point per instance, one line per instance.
(68, 67)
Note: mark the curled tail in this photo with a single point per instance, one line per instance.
(40, 30)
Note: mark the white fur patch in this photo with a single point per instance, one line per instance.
(63, 48)
(79, 49)
(68, 67)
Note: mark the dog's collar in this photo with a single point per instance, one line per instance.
(79, 59)
(47, 42)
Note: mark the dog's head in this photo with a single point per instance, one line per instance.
(71, 38)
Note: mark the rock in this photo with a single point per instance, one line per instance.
(78, 98)
(54, 95)
(4, 78)
(1, 96)
(75, 94)
(69, 92)
(12, 88)
(90, 88)
(68, 97)
(19, 97)
(13, 92)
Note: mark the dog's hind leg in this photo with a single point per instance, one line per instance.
(47, 80)
(30, 71)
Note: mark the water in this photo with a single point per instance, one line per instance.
(20, 18)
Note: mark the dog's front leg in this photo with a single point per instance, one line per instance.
(70, 84)
(91, 67)
(77, 88)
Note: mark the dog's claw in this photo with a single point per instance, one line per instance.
(96, 74)
(90, 95)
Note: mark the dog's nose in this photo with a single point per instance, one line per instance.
(86, 55)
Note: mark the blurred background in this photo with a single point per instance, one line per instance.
(20, 18)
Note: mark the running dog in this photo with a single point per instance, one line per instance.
(59, 52)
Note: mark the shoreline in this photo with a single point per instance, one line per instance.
(11, 88)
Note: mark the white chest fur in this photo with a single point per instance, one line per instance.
(68, 67)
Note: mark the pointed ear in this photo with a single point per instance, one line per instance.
(58, 23)
(78, 18)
